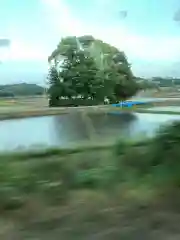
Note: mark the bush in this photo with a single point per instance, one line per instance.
(75, 102)
(165, 146)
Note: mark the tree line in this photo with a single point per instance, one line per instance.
(166, 82)
(90, 69)
(21, 89)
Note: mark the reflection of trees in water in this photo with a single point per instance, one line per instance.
(73, 127)
(108, 124)
(70, 127)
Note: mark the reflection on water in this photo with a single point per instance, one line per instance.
(65, 129)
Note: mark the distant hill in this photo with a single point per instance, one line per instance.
(21, 89)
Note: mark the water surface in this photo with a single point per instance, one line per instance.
(64, 130)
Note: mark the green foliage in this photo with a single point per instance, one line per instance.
(166, 145)
(98, 71)
(54, 173)
(77, 102)
(86, 40)
(120, 82)
(6, 94)
(158, 161)
(22, 89)
(125, 89)
(166, 82)
(93, 191)
(56, 88)
(147, 84)
(79, 73)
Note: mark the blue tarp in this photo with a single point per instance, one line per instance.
(128, 104)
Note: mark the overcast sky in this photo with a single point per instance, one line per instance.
(148, 34)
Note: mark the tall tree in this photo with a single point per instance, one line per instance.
(125, 84)
(79, 71)
(57, 88)
(99, 70)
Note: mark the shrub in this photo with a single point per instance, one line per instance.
(75, 102)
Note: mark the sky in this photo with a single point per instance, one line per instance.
(148, 34)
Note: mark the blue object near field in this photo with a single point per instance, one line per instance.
(128, 104)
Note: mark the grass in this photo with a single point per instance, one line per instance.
(93, 192)
(157, 112)
(83, 148)
(25, 111)
(16, 113)
(127, 190)
(34, 107)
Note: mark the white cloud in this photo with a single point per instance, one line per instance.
(136, 46)
(151, 55)
(153, 48)
(20, 50)
(61, 17)
(65, 23)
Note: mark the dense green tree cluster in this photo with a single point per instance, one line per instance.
(145, 84)
(91, 69)
(6, 94)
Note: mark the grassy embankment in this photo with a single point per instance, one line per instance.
(14, 113)
(23, 112)
(33, 107)
(120, 191)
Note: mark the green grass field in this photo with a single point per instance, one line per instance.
(34, 101)
(38, 106)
